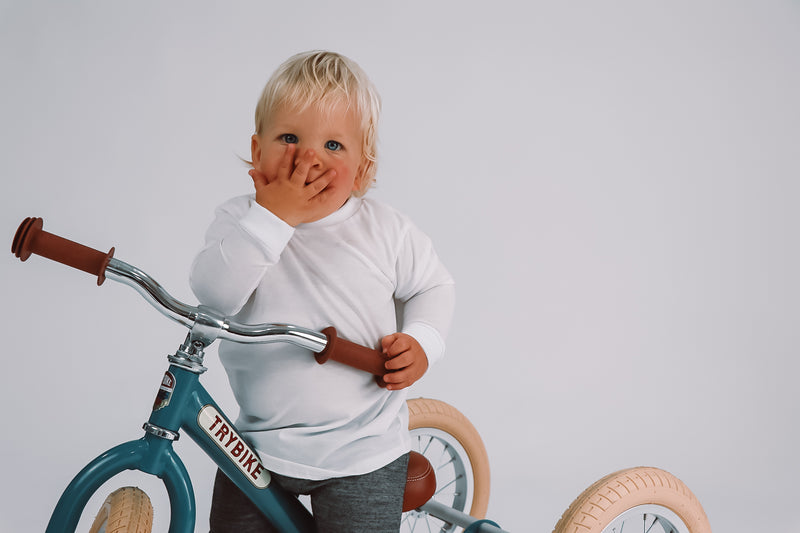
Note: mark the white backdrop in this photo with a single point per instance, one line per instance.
(614, 186)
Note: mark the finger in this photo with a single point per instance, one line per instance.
(286, 164)
(302, 167)
(400, 345)
(317, 187)
(400, 361)
(259, 179)
(399, 380)
(387, 341)
(409, 372)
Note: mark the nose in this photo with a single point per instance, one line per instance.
(309, 155)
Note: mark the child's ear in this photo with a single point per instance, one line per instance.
(361, 175)
(359, 178)
(255, 150)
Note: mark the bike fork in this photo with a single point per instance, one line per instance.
(148, 454)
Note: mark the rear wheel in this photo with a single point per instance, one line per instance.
(455, 449)
(641, 497)
(126, 510)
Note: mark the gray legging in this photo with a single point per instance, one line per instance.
(370, 503)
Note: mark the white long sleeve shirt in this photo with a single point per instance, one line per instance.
(347, 270)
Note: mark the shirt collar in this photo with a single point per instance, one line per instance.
(340, 215)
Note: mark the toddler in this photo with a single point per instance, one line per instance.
(307, 248)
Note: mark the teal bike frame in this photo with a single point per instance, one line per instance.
(183, 403)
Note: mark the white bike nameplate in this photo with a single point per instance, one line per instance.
(234, 447)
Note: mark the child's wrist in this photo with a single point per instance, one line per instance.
(280, 212)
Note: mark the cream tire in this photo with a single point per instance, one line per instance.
(126, 510)
(639, 497)
(455, 449)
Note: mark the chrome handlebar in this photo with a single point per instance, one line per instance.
(205, 323)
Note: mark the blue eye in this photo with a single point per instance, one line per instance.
(289, 138)
(333, 146)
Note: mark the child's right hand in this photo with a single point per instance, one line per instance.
(289, 194)
(407, 360)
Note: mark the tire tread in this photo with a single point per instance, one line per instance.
(622, 490)
(126, 510)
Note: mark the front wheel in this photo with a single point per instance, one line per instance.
(456, 451)
(636, 497)
(126, 510)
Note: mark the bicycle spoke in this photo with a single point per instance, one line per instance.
(644, 518)
(448, 463)
(441, 455)
(414, 524)
(445, 486)
(421, 450)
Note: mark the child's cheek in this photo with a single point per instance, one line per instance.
(268, 166)
(343, 172)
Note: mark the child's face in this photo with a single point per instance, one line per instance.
(334, 136)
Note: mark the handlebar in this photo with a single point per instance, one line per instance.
(31, 239)
(206, 323)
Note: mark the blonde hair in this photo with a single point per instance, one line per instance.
(326, 79)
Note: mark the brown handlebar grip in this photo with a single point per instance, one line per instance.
(31, 239)
(352, 354)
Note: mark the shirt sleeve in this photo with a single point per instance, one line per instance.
(427, 292)
(242, 242)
